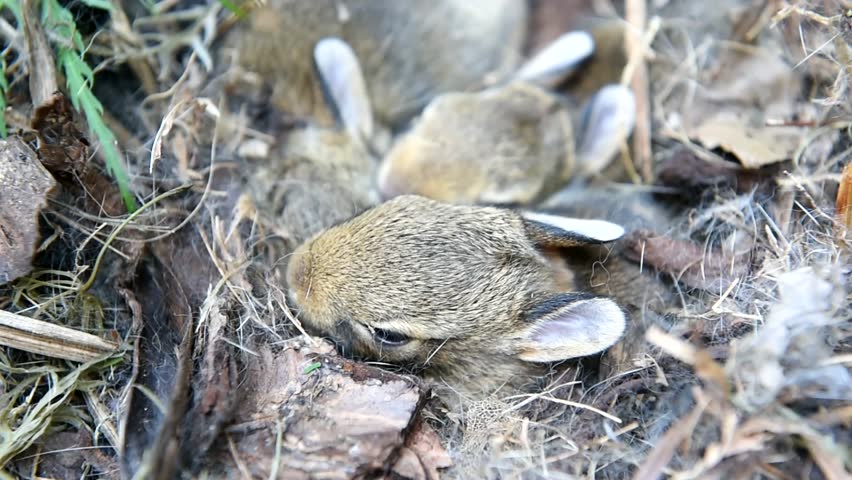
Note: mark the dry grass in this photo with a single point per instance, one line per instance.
(747, 380)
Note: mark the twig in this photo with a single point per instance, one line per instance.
(103, 419)
(637, 73)
(44, 338)
(41, 63)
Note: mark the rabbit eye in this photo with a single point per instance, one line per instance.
(391, 339)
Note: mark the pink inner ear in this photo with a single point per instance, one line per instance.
(577, 329)
(569, 325)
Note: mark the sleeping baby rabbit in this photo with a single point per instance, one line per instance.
(468, 295)
(317, 176)
(409, 51)
(512, 144)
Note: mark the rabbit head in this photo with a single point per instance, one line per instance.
(321, 176)
(409, 51)
(465, 294)
(511, 144)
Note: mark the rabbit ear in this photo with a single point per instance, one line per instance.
(555, 231)
(344, 85)
(607, 121)
(558, 59)
(571, 325)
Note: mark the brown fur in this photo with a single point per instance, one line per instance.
(315, 179)
(465, 284)
(607, 271)
(409, 51)
(512, 144)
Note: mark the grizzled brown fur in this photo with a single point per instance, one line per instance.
(409, 51)
(505, 145)
(466, 287)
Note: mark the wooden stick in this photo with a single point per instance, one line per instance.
(44, 338)
(41, 63)
(636, 14)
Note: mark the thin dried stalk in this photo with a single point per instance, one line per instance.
(636, 14)
(42, 76)
(36, 336)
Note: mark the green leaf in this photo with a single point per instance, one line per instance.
(78, 76)
(233, 7)
(79, 79)
(312, 367)
(99, 4)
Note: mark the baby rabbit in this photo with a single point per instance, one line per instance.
(465, 294)
(321, 176)
(510, 144)
(409, 51)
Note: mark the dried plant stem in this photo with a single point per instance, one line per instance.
(103, 418)
(114, 234)
(637, 74)
(52, 340)
(42, 67)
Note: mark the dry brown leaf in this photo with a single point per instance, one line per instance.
(62, 146)
(743, 89)
(25, 186)
(754, 146)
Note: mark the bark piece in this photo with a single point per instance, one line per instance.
(25, 186)
(306, 412)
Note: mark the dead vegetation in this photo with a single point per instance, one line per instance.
(160, 341)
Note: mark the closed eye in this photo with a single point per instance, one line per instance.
(389, 338)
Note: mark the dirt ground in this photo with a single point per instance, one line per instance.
(157, 341)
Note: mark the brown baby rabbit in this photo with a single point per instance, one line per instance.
(468, 295)
(409, 51)
(320, 176)
(510, 144)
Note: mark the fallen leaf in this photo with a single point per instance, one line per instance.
(754, 146)
(62, 147)
(741, 89)
(25, 186)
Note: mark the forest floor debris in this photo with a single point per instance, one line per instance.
(191, 359)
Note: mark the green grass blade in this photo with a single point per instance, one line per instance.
(79, 78)
(233, 7)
